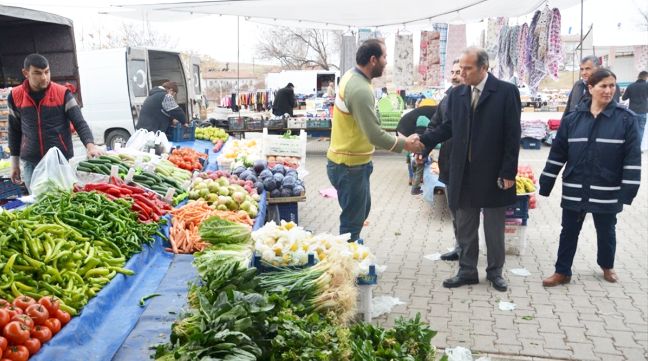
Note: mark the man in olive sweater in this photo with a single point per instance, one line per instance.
(354, 135)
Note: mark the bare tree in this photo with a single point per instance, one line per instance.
(299, 48)
(131, 34)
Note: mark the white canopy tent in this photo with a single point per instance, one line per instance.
(341, 14)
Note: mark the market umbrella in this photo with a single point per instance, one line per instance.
(407, 124)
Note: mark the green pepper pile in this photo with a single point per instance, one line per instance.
(40, 258)
(96, 217)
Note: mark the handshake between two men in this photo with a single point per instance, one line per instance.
(413, 144)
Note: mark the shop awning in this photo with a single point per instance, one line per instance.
(338, 13)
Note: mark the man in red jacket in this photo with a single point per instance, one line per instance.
(40, 113)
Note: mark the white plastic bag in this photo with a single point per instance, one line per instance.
(138, 140)
(162, 142)
(52, 172)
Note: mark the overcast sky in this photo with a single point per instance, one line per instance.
(216, 35)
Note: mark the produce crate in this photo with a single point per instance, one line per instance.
(254, 124)
(530, 143)
(236, 123)
(296, 123)
(182, 133)
(318, 123)
(278, 123)
(515, 241)
(9, 190)
(520, 210)
(263, 266)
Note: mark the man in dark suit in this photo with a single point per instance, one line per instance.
(483, 118)
(580, 93)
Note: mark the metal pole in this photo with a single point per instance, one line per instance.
(581, 32)
(238, 62)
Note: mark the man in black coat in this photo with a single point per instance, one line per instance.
(580, 93)
(284, 101)
(483, 118)
(160, 109)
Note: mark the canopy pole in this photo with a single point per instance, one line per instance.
(238, 63)
(581, 32)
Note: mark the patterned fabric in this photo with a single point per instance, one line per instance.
(403, 61)
(522, 51)
(347, 53)
(443, 44)
(169, 103)
(429, 62)
(640, 57)
(492, 35)
(554, 50)
(456, 43)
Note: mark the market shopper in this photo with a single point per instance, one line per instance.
(637, 93)
(598, 145)
(444, 153)
(40, 113)
(160, 109)
(580, 92)
(330, 90)
(355, 133)
(483, 118)
(407, 126)
(284, 101)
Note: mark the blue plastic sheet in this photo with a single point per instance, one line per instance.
(105, 322)
(154, 325)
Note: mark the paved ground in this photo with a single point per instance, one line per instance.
(588, 319)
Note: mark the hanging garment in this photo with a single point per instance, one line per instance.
(347, 53)
(443, 45)
(492, 35)
(554, 50)
(522, 51)
(429, 57)
(455, 45)
(403, 61)
(640, 57)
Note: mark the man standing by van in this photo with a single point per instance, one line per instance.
(160, 109)
(40, 113)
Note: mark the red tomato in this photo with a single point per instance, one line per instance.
(16, 333)
(63, 316)
(42, 333)
(3, 343)
(54, 325)
(14, 311)
(25, 320)
(17, 353)
(5, 317)
(23, 302)
(38, 313)
(4, 303)
(51, 303)
(33, 345)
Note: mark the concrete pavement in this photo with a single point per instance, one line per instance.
(588, 319)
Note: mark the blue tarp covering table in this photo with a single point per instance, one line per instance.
(105, 322)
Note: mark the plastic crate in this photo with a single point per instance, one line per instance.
(520, 210)
(236, 123)
(530, 143)
(182, 133)
(9, 190)
(254, 124)
(263, 266)
(515, 241)
(296, 123)
(318, 123)
(278, 123)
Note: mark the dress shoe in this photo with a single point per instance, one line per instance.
(609, 275)
(499, 283)
(555, 280)
(457, 281)
(450, 256)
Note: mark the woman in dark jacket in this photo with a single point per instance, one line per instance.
(598, 145)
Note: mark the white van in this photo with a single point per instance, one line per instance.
(117, 81)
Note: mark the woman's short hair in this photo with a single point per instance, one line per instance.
(600, 75)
